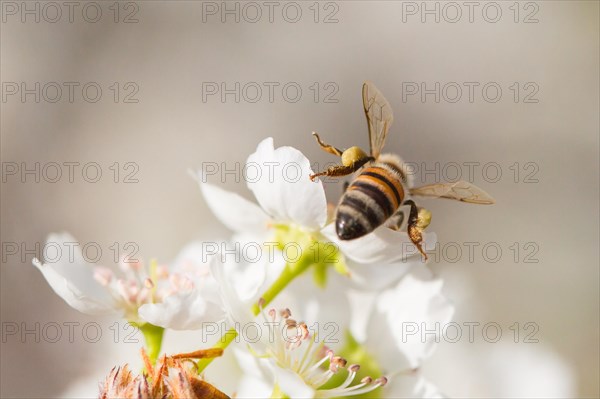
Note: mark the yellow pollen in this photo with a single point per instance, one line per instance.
(352, 155)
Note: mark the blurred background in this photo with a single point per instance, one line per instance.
(502, 94)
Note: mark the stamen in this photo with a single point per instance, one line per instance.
(261, 302)
(364, 387)
(351, 374)
(301, 365)
(103, 275)
(134, 290)
(336, 363)
(122, 290)
(308, 360)
(162, 272)
(354, 368)
(381, 381)
(328, 356)
(143, 296)
(304, 333)
(180, 282)
(127, 264)
(290, 323)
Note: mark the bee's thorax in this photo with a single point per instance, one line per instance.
(395, 162)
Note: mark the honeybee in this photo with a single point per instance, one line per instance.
(381, 191)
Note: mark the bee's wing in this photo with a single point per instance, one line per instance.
(379, 117)
(460, 191)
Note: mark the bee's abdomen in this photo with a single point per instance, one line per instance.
(369, 201)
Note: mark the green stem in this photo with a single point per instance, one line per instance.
(289, 273)
(153, 335)
(223, 343)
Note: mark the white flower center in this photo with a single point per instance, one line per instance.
(294, 348)
(138, 285)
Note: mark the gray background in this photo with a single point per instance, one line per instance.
(170, 52)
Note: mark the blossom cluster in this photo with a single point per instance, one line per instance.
(367, 288)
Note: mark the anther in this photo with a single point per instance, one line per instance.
(336, 363)
(381, 381)
(103, 275)
(261, 302)
(290, 323)
(353, 368)
(367, 380)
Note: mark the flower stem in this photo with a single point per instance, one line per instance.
(289, 273)
(223, 343)
(153, 336)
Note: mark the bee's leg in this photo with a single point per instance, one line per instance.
(418, 220)
(337, 170)
(326, 147)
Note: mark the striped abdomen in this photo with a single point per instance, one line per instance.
(374, 196)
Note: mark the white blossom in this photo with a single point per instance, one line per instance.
(294, 362)
(403, 329)
(276, 365)
(293, 209)
(181, 296)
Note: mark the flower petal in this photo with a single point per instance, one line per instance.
(191, 259)
(250, 364)
(411, 386)
(377, 276)
(292, 385)
(401, 316)
(257, 380)
(326, 309)
(233, 210)
(188, 309)
(182, 311)
(251, 387)
(236, 289)
(72, 278)
(383, 245)
(279, 178)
